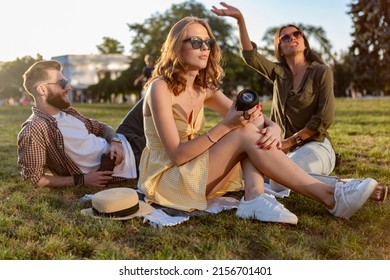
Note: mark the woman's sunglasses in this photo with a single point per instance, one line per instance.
(62, 83)
(197, 43)
(287, 37)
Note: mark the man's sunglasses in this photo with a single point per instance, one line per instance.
(62, 83)
(288, 37)
(197, 43)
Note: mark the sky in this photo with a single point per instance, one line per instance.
(54, 28)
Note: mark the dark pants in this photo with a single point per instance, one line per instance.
(132, 127)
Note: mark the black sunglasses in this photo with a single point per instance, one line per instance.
(287, 37)
(62, 83)
(197, 43)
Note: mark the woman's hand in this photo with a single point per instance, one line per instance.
(228, 11)
(286, 146)
(235, 119)
(270, 136)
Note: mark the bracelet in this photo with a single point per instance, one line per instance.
(208, 136)
(78, 179)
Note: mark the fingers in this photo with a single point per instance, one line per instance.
(253, 113)
(268, 140)
(246, 115)
(98, 179)
(118, 159)
(220, 12)
(117, 155)
(268, 144)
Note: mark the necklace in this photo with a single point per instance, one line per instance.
(191, 97)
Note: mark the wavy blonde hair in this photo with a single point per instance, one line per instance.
(171, 67)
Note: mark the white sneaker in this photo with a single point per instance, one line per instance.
(265, 208)
(350, 196)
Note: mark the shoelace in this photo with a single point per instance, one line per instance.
(274, 203)
(349, 185)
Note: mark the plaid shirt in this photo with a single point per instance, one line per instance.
(41, 146)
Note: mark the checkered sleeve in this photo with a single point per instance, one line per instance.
(31, 155)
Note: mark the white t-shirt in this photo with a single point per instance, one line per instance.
(85, 149)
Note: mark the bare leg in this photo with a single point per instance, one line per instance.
(254, 180)
(239, 143)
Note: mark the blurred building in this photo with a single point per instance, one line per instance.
(83, 71)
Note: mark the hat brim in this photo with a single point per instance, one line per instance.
(144, 209)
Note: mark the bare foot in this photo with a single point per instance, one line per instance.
(380, 194)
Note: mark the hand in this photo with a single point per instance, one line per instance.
(116, 150)
(235, 119)
(228, 11)
(270, 137)
(97, 179)
(286, 146)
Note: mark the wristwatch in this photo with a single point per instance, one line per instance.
(298, 139)
(116, 139)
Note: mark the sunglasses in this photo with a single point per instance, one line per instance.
(197, 43)
(288, 37)
(62, 83)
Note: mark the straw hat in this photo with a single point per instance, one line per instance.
(117, 204)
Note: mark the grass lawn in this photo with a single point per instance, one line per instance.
(39, 223)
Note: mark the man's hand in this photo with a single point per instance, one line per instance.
(97, 179)
(116, 151)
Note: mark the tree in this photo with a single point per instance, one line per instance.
(105, 87)
(342, 73)
(110, 46)
(148, 37)
(11, 80)
(370, 51)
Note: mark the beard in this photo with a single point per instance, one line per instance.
(56, 100)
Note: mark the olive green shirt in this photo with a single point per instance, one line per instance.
(311, 106)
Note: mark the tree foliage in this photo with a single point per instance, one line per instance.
(110, 46)
(105, 87)
(367, 60)
(11, 80)
(370, 51)
(148, 37)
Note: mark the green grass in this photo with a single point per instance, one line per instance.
(40, 223)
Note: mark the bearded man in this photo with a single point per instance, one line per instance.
(58, 146)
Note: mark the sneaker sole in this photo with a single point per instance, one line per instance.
(272, 219)
(372, 184)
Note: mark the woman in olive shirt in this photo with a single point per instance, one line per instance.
(303, 99)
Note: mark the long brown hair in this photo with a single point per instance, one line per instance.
(310, 56)
(170, 66)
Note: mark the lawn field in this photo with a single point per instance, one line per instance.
(45, 224)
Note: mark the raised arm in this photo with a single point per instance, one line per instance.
(233, 12)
